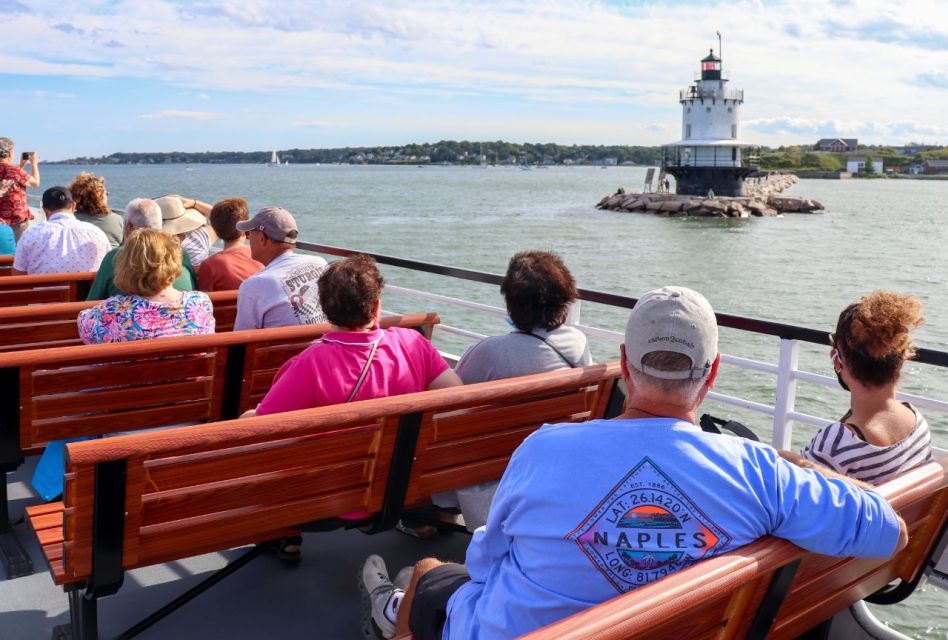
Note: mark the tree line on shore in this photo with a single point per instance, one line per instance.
(790, 158)
(445, 151)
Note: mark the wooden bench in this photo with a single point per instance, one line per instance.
(54, 325)
(147, 498)
(772, 588)
(6, 265)
(16, 291)
(89, 390)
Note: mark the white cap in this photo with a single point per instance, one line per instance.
(674, 319)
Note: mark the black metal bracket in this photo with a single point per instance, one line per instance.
(11, 456)
(233, 381)
(616, 404)
(195, 591)
(770, 605)
(16, 561)
(108, 539)
(82, 289)
(902, 589)
(403, 457)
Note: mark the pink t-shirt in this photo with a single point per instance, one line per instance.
(326, 372)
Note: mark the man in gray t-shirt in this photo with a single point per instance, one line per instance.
(284, 292)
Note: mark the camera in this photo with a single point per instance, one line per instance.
(26, 155)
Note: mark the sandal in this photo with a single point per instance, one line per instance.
(287, 550)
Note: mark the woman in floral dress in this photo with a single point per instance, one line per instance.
(146, 268)
(152, 308)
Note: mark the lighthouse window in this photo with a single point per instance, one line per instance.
(733, 130)
(708, 109)
(688, 110)
(730, 109)
(687, 130)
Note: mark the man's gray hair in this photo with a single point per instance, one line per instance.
(142, 213)
(6, 147)
(685, 391)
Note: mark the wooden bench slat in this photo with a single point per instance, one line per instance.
(131, 398)
(122, 374)
(43, 431)
(171, 473)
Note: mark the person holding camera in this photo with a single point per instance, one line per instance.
(14, 181)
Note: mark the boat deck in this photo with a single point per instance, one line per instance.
(265, 599)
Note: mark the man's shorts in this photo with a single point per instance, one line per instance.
(429, 609)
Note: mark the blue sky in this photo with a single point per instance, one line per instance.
(95, 77)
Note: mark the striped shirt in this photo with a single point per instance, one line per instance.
(837, 447)
(197, 244)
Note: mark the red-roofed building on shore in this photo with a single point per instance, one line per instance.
(837, 145)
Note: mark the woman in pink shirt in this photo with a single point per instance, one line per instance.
(356, 360)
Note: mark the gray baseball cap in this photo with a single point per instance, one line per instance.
(674, 319)
(275, 223)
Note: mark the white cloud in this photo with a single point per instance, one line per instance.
(40, 93)
(804, 65)
(309, 124)
(174, 114)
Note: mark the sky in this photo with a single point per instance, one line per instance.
(93, 77)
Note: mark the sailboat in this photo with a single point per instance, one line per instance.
(274, 160)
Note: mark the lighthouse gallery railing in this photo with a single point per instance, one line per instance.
(786, 370)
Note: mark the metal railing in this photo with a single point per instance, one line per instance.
(698, 156)
(787, 372)
(696, 92)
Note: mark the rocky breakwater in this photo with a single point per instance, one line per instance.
(769, 184)
(762, 199)
(669, 204)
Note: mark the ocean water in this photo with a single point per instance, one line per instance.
(796, 269)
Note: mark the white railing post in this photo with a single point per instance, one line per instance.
(786, 394)
(573, 316)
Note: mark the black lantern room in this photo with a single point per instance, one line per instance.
(711, 67)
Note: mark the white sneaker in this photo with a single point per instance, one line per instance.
(403, 577)
(380, 599)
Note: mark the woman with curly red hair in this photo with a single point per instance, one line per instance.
(92, 206)
(879, 437)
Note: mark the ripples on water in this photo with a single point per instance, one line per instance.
(797, 269)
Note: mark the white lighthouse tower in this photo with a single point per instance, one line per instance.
(710, 155)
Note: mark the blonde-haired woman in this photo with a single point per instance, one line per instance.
(879, 437)
(92, 206)
(151, 307)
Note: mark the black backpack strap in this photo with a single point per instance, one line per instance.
(710, 424)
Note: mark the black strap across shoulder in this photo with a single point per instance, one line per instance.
(710, 424)
(571, 364)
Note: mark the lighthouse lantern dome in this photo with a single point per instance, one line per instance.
(711, 67)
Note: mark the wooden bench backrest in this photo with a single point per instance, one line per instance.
(264, 358)
(54, 325)
(16, 291)
(720, 597)
(6, 265)
(461, 448)
(98, 389)
(195, 489)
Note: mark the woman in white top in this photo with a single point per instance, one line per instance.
(879, 437)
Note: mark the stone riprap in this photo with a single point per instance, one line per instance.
(670, 204)
(762, 199)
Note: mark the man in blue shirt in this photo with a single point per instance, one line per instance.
(587, 511)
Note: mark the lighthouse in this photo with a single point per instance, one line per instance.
(710, 157)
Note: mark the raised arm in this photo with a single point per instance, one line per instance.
(34, 180)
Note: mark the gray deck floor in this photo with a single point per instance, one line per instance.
(265, 599)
